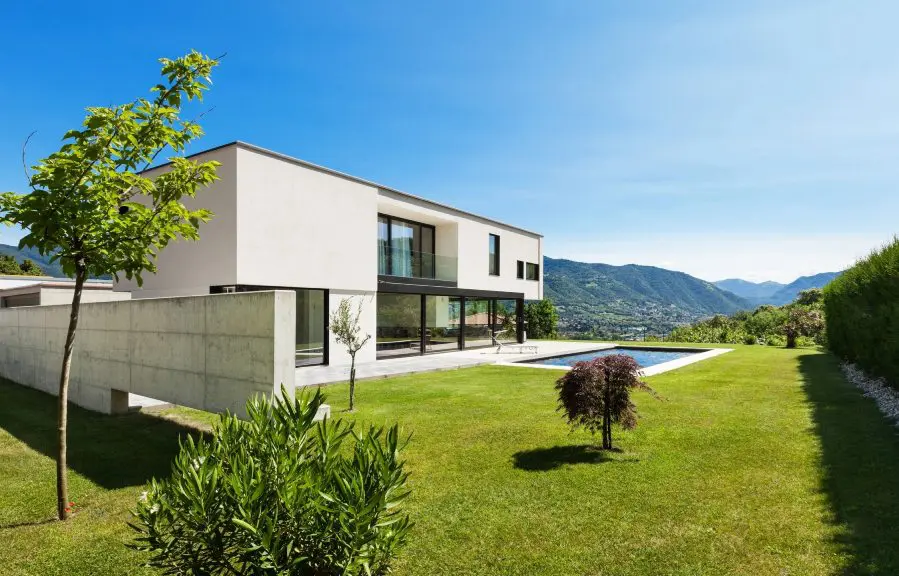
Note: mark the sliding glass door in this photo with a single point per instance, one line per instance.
(405, 248)
(310, 339)
(442, 315)
(399, 325)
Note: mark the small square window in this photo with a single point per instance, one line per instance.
(533, 271)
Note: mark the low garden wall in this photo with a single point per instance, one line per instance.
(207, 352)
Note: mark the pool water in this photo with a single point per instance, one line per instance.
(644, 358)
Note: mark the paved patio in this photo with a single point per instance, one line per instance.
(321, 375)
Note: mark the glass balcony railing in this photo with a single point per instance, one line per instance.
(411, 264)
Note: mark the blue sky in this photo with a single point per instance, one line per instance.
(749, 139)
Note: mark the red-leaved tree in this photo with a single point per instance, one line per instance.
(594, 394)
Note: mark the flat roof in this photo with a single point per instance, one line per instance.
(346, 176)
(36, 286)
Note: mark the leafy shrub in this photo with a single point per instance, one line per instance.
(862, 307)
(775, 340)
(802, 321)
(596, 393)
(542, 319)
(278, 494)
(750, 339)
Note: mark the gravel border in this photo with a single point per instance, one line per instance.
(887, 398)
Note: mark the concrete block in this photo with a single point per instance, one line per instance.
(168, 315)
(107, 373)
(174, 350)
(231, 394)
(177, 387)
(32, 337)
(230, 314)
(240, 357)
(9, 317)
(56, 317)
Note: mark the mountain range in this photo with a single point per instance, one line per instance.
(758, 293)
(618, 301)
(20, 254)
(608, 301)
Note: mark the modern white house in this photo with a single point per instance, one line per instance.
(430, 277)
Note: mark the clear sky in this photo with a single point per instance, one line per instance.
(725, 139)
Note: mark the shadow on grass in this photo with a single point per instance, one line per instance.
(111, 451)
(860, 461)
(544, 459)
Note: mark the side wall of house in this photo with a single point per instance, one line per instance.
(303, 228)
(189, 268)
(206, 352)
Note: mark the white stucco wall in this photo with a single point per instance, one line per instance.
(337, 353)
(190, 268)
(303, 228)
(205, 352)
(53, 296)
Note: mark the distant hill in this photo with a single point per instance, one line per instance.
(759, 293)
(749, 290)
(789, 292)
(49, 269)
(618, 301)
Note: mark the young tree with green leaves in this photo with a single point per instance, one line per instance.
(345, 327)
(92, 207)
(802, 322)
(542, 319)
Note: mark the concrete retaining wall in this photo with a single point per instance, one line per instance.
(207, 352)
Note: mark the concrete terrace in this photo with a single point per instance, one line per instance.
(322, 375)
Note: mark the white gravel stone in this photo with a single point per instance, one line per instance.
(887, 398)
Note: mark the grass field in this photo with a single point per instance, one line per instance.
(760, 461)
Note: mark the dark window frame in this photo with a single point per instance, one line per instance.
(531, 266)
(494, 258)
(519, 271)
(389, 266)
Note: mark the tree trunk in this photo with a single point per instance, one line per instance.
(62, 484)
(791, 339)
(352, 382)
(607, 428)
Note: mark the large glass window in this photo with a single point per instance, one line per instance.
(494, 255)
(310, 327)
(442, 314)
(399, 325)
(478, 322)
(405, 248)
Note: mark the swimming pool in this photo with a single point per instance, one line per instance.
(645, 357)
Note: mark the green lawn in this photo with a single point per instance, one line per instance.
(761, 461)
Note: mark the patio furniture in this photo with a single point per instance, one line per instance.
(512, 346)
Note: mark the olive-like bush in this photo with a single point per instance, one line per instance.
(278, 494)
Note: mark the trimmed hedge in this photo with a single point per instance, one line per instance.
(862, 307)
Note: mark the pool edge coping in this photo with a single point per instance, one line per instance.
(648, 371)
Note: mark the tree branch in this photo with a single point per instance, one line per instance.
(25, 162)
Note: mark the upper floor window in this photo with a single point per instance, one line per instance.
(533, 271)
(494, 255)
(519, 273)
